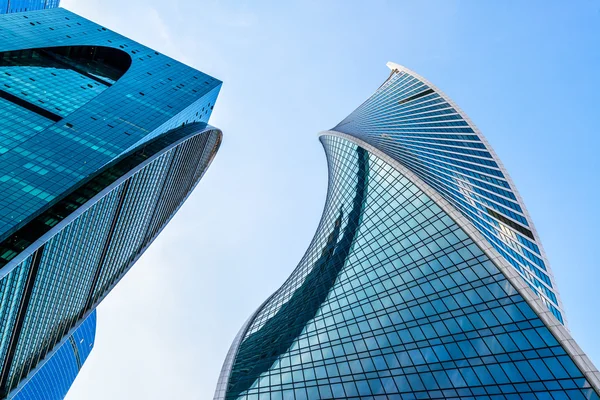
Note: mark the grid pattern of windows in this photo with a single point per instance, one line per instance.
(54, 378)
(394, 300)
(410, 120)
(137, 209)
(16, 126)
(101, 142)
(94, 125)
(59, 90)
(11, 293)
(59, 295)
(86, 258)
(12, 6)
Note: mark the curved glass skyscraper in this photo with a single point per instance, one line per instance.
(425, 279)
(101, 141)
(413, 122)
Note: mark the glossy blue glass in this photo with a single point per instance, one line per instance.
(401, 293)
(415, 123)
(12, 6)
(53, 379)
(101, 141)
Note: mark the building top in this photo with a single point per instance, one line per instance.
(415, 123)
(77, 96)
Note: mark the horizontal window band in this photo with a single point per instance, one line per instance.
(416, 96)
(30, 106)
(15, 243)
(517, 227)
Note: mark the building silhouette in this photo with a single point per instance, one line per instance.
(101, 141)
(425, 279)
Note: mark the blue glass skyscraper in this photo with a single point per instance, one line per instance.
(424, 130)
(11, 6)
(53, 379)
(101, 141)
(425, 278)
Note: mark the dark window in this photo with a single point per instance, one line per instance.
(512, 224)
(416, 96)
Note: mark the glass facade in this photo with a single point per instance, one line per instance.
(53, 379)
(12, 6)
(412, 121)
(101, 141)
(401, 296)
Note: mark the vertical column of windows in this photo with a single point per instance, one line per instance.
(6, 379)
(132, 224)
(170, 195)
(176, 185)
(11, 290)
(153, 196)
(64, 277)
(86, 257)
(157, 219)
(209, 148)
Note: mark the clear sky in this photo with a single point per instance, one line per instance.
(527, 73)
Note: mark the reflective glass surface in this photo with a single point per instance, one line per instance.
(79, 265)
(410, 120)
(78, 116)
(12, 6)
(101, 141)
(393, 300)
(11, 294)
(53, 379)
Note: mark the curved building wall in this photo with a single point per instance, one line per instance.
(86, 255)
(57, 144)
(399, 296)
(57, 373)
(101, 141)
(412, 287)
(412, 121)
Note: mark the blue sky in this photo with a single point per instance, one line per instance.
(525, 72)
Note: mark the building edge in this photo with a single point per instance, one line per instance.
(14, 393)
(558, 330)
(400, 68)
(207, 129)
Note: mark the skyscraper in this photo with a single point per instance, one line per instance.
(11, 6)
(425, 278)
(53, 378)
(101, 141)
